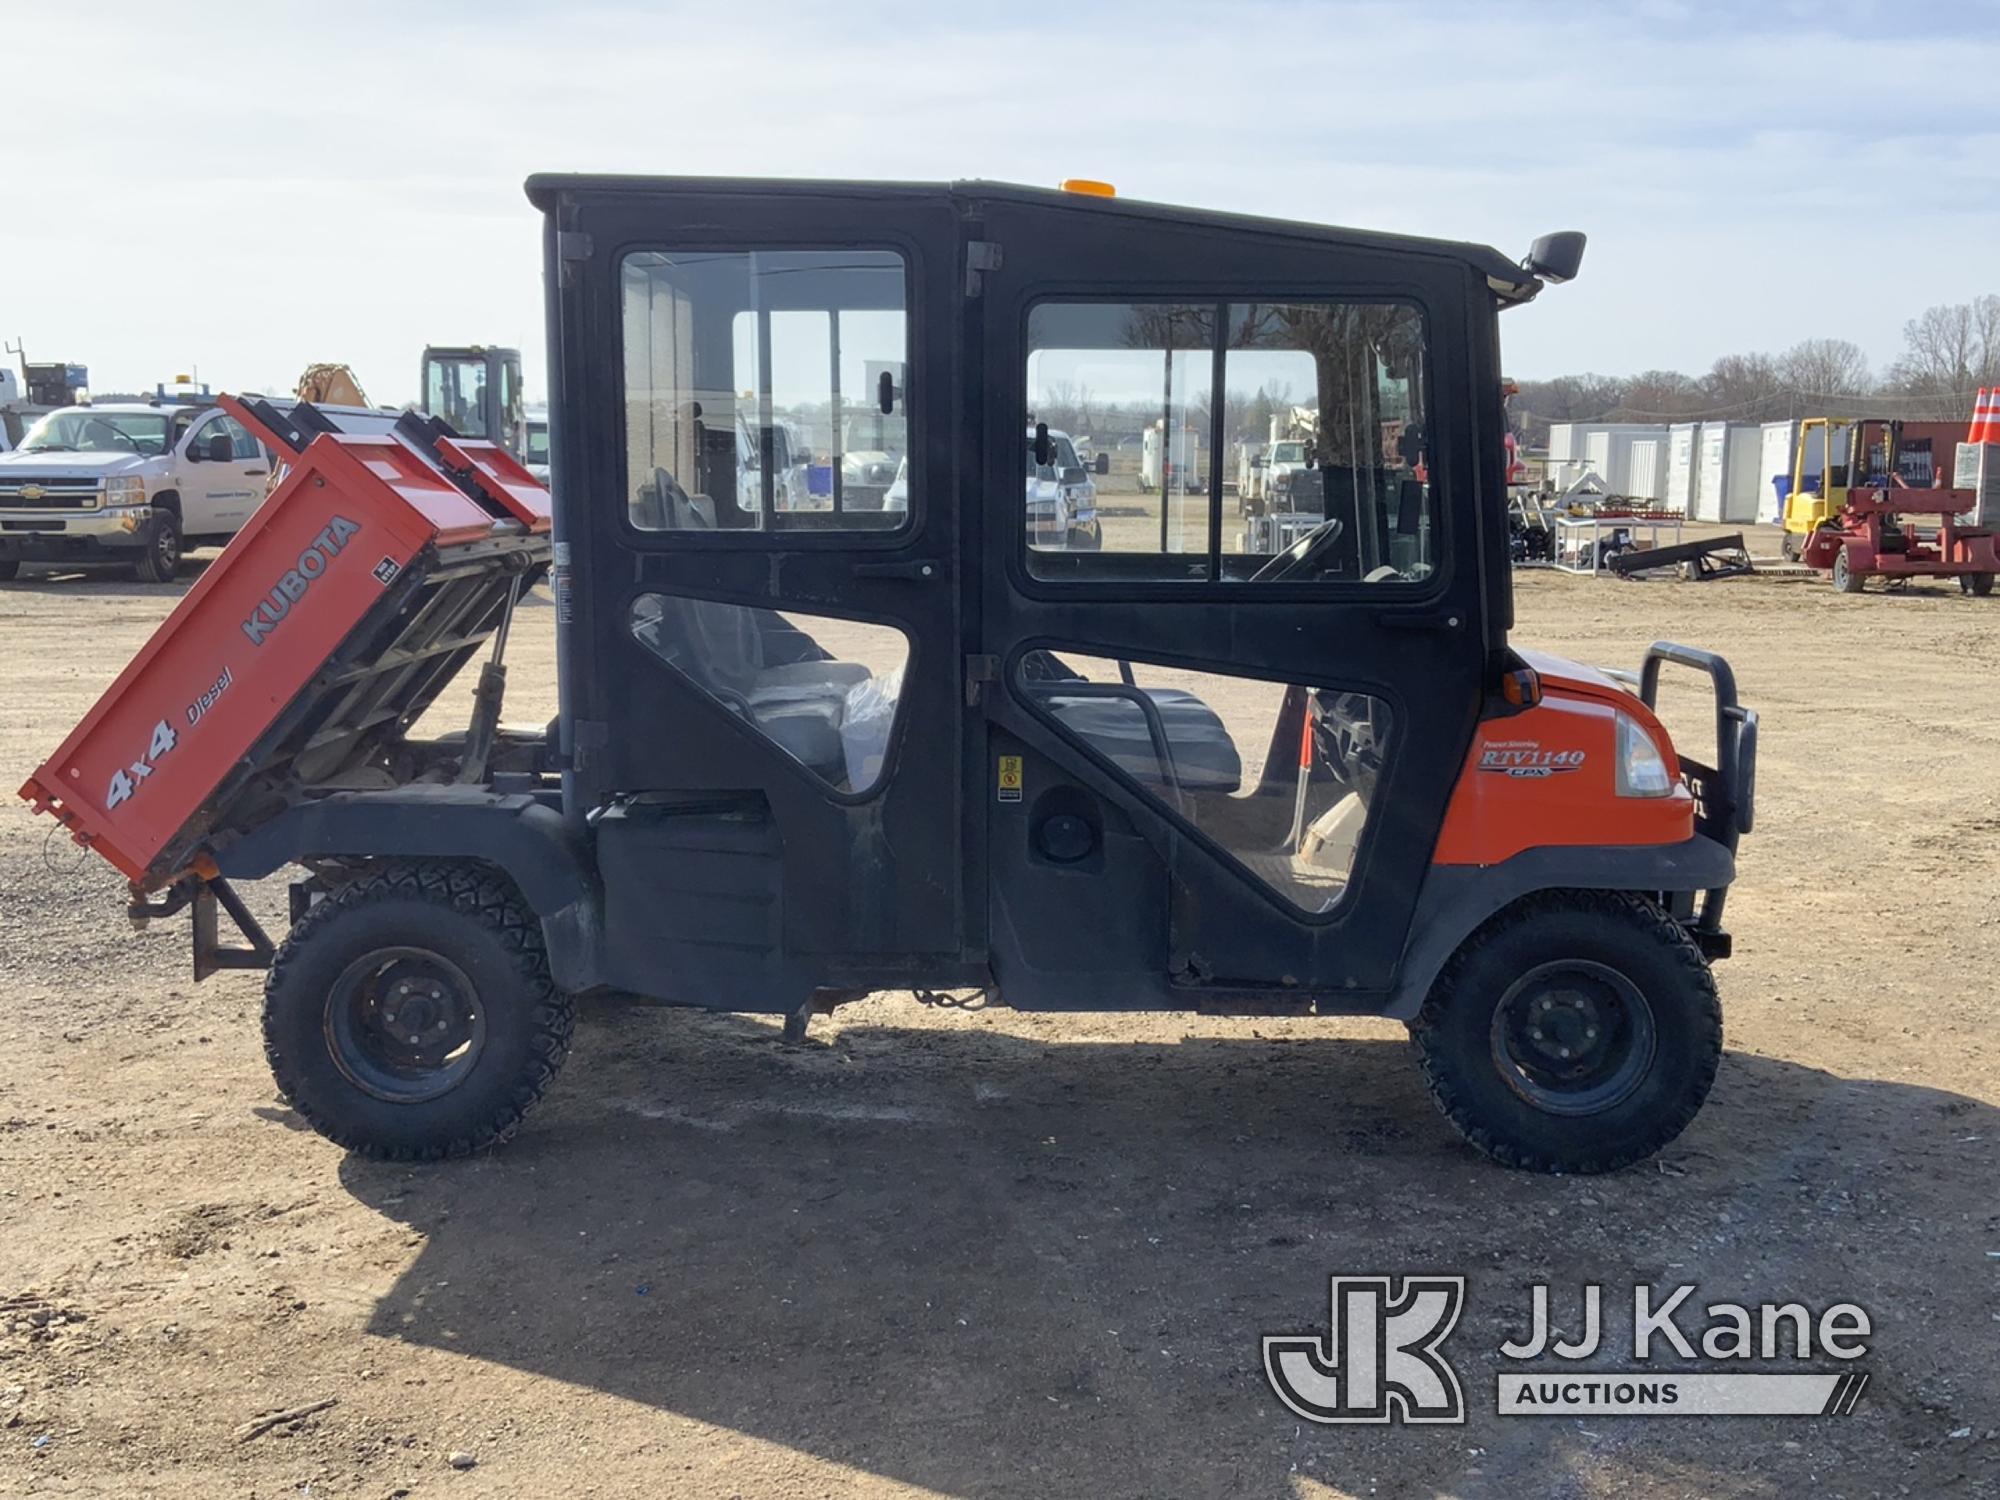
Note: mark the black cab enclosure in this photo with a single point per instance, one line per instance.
(914, 634)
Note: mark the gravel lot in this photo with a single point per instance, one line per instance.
(975, 1252)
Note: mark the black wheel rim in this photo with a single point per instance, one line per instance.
(1573, 1037)
(404, 1024)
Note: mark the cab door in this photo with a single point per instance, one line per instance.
(757, 565)
(1219, 744)
(218, 494)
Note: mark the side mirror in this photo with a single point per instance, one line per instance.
(220, 449)
(1557, 257)
(1043, 446)
(1103, 463)
(885, 393)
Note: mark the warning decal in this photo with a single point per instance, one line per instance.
(1010, 778)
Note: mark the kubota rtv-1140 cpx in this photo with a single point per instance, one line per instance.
(811, 747)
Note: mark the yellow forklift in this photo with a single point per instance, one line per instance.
(1806, 510)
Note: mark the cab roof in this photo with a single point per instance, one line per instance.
(1508, 281)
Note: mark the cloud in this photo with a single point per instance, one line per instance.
(345, 183)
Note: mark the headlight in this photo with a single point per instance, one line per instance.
(125, 489)
(1641, 769)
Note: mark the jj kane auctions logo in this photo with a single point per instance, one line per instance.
(1381, 1360)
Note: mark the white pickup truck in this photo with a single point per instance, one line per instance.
(127, 482)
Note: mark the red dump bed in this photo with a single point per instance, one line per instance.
(278, 655)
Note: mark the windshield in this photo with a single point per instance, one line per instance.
(538, 442)
(455, 389)
(98, 432)
(1289, 453)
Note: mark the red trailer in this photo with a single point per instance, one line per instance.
(1875, 536)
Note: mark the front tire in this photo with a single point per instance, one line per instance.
(1978, 585)
(161, 560)
(1578, 1031)
(1845, 578)
(410, 1015)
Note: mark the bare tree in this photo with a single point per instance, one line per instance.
(1746, 388)
(1949, 352)
(1659, 395)
(1825, 367)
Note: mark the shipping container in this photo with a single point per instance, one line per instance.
(1683, 469)
(1726, 482)
(1646, 478)
(1602, 448)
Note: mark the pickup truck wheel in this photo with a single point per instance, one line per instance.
(1578, 1031)
(410, 1015)
(161, 560)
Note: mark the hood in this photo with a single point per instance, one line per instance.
(65, 464)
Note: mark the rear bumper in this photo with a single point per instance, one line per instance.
(38, 536)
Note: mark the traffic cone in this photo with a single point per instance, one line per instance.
(1985, 422)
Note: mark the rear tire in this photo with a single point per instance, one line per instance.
(1788, 547)
(1979, 585)
(1845, 578)
(1577, 1031)
(410, 1015)
(161, 561)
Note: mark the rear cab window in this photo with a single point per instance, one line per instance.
(764, 390)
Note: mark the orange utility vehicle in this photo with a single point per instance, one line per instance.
(808, 750)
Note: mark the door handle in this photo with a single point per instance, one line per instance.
(1434, 620)
(254, 473)
(912, 572)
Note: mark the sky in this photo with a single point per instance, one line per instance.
(248, 189)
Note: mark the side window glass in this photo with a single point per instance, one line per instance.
(1310, 466)
(764, 390)
(1136, 380)
(1322, 412)
(1280, 775)
(823, 690)
(241, 443)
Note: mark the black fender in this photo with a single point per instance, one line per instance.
(1457, 899)
(524, 838)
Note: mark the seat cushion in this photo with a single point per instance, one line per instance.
(807, 728)
(1205, 758)
(828, 676)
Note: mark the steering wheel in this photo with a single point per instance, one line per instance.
(99, 430)
(1307, 552)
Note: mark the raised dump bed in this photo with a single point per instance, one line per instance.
(389, 553)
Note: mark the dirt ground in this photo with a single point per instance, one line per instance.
(972, 1252)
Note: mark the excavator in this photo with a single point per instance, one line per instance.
(476, 390)
(330, 385)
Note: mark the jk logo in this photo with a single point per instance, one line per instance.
(1380, 1362)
